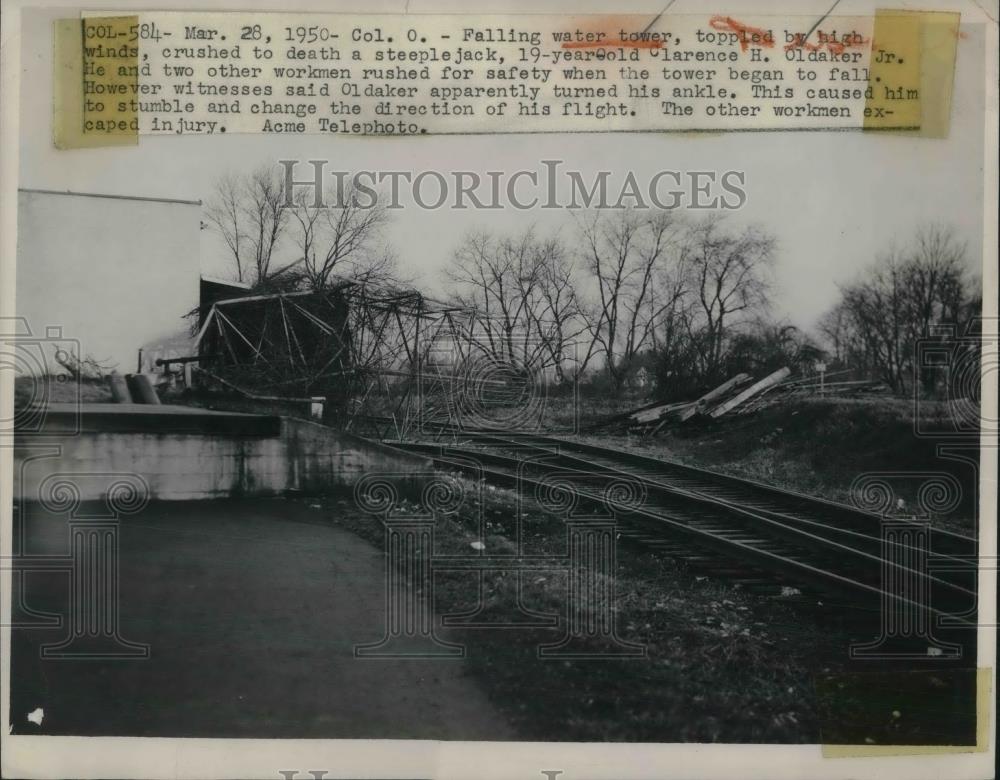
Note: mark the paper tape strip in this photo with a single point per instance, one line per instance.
(96, 81)
(912, 72)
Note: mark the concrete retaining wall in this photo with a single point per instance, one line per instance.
(304, 457)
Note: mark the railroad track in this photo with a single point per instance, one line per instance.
(753, 533)
(825, 517)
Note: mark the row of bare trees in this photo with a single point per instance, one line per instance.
(630, 293)
(686, 302)
(523, 290)
(634, 291)
(919, 293)
(276, 245)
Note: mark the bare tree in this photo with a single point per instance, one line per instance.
(728, 275)
(838, 331)
(671, 300)
(877, 307)
(934, 275)
(343, 238)
(624, 252)
(671, 342)
(908, 295)
(557, 316)
(834, 329)
(500, 277)
(246, 210)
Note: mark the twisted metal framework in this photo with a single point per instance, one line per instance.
(379, 357)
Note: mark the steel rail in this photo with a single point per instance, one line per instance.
(734, 549)
(960, 563)
(513, 469)
(947, 543)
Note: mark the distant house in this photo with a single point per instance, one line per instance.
(102, 274)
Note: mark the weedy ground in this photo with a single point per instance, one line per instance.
(719, 664)
(820, 446)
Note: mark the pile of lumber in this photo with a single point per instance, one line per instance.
(741, 394)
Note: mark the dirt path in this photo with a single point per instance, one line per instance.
(252, 610)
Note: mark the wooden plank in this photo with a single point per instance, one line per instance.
(680, 415)
(712, 395)
(686, 409)
(655, 413)
(750, 392)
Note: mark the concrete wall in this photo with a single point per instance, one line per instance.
(305, 457)
(112, 272)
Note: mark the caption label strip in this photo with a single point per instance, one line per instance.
(206, 73)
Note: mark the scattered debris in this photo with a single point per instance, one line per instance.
(85, 368)
(736, 396)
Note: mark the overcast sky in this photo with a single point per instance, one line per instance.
(832, 199)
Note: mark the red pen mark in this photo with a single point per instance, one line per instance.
(614, 31)
(748, 36)
(830, 44)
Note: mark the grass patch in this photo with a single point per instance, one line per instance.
(819, 447)
(59, 388)
(721, 664)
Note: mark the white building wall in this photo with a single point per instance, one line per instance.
(113, 273)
